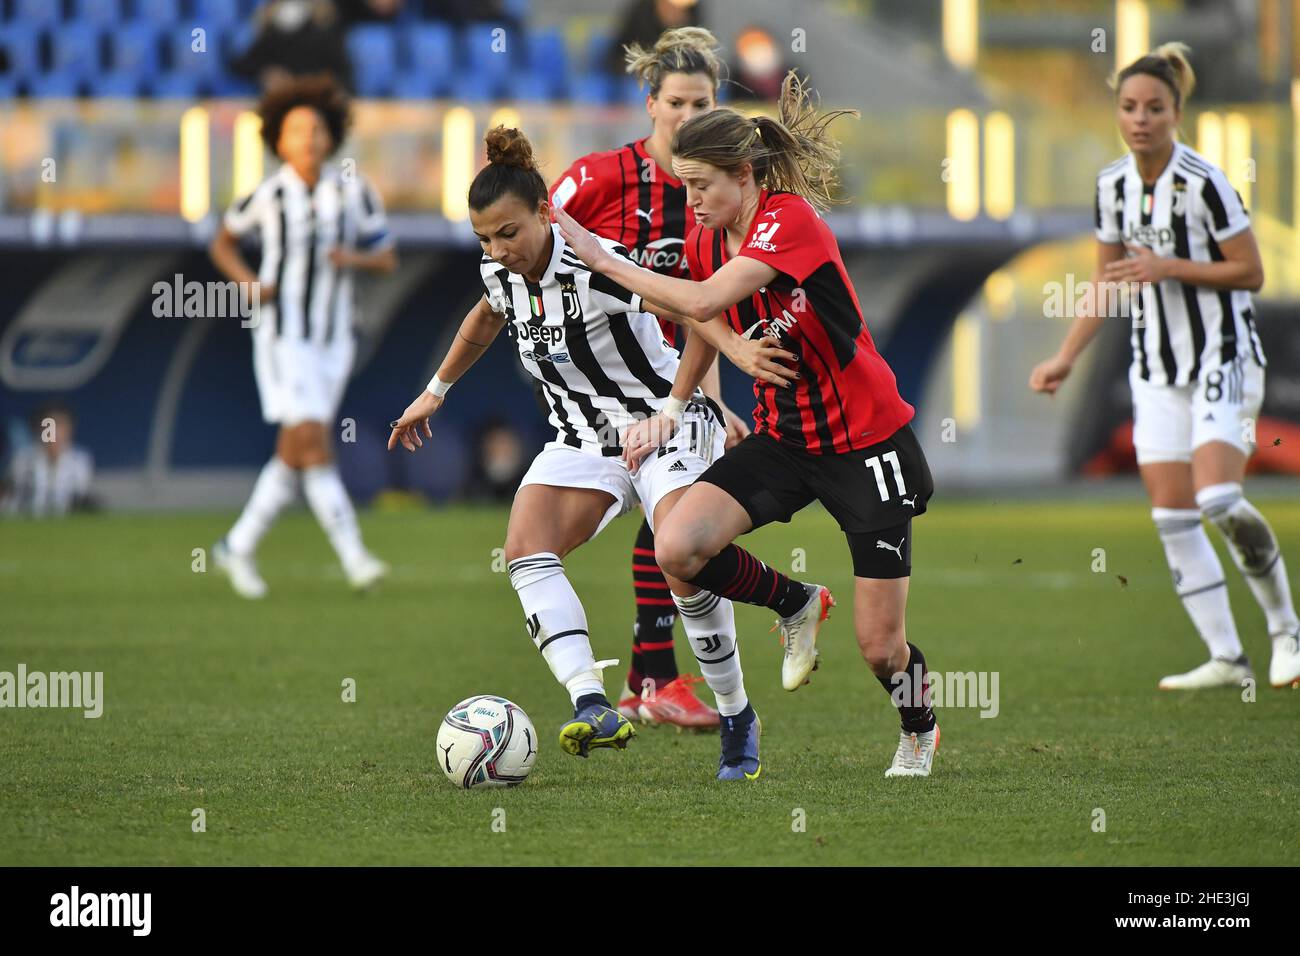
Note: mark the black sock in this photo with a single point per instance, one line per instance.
(736, 574)
(910, 694)
(586, 700)
(652, 636)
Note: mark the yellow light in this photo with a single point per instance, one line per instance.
(999, 165)
(505, 116)
(195, 191)
(1295, 160)
(966, 371)
(1209, 137)
(962, 168)
(248, 153)
(1132, 31)
(1000, 294)
(457, 162)
(961, 32)
(1240, 164)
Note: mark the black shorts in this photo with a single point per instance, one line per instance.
(873, 493)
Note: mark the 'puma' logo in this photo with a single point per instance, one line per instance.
(889, 547)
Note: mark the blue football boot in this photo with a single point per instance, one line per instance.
(740, 735)
(595, 725)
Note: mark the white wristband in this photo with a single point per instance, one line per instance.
(438, 387)
(673, 408)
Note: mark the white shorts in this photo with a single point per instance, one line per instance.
(677, 464)
(1171, 421)
(300, 383)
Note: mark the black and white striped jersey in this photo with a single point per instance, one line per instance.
(298, 226)
(1180, 332)
(601, 361)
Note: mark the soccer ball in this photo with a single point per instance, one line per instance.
(486, 741)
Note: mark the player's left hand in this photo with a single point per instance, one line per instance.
(406, 430)
(641, 439)
(737, 428)
(1142, 265)
(582, 242)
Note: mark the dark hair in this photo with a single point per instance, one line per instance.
(1167, 63)
(684, 50)
(46, 410)
(793, 154)
(511, 169)
(318, 91)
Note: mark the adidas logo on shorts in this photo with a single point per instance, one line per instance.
(676, 466)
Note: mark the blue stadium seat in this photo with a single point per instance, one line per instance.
(185, 59)
(134, 48)
(21, 44)
(75, 49)
(170, 86)
(104, 13)
(593, 57)
(373, 51)
(474, 88)
(547, 52)
(431, 51)
(478, 41)
(412, 85)
(119, 85)
(533, 86)
(591, 88)
(54, 85)
(225, 12)
(239, 38)
(227, 84)
(161, 13)
(36, 13)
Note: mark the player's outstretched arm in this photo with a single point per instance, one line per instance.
(1048, 374)
(478, 330)
(737, 280)
(383, 261)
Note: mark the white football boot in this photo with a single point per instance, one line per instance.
(366, 572)
(799, 634)
(241, 570)
(1284, 668)
(915, 754)
(1216, 672)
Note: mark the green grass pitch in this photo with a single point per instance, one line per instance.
(237, 708)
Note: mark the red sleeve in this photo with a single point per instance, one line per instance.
(582, 194)
(789, 237)
(693, 263)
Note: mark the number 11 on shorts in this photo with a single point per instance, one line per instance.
(875, 466)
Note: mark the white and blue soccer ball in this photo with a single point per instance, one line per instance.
(486, 741)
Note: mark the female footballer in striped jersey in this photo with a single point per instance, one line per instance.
(630, 195)
(1166, 217)
(602, 364)
(762, 256)
(316, 226)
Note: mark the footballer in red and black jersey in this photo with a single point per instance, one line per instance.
(846, 397)
(623, 195)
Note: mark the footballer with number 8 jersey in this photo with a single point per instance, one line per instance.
(603, 365)
(763, 257)
(630, 195)
(1167, 218)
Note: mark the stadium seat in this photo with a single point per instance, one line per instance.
(532, 86)
(477, 41)
(36, 13)
(75, 49)
(54, 85)
(134, 48)
(224, 12)
(161, 13)
(239, 38)
(171, 86)
(475, 88)
(21, 45)
(227, 84)
(185, 59)
(546, 54)
(373, 51)
(411, 85)
(104, 13)
(431, 51)
(591, 88)
(118, 85)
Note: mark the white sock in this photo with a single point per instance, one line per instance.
(556, 622)
(333, 510)
(1198, 578)
(710, 624)
(275, 490)
(1254, 550)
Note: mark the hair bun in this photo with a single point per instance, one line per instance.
(509, 147)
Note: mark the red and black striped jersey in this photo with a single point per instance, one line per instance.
(846, 396)
(623, 195)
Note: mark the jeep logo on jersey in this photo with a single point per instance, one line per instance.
(763, 237)
(1149, 236)
(659, 254)
(549, 334)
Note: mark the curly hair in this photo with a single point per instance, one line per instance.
(317, 91)
(512, 168)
